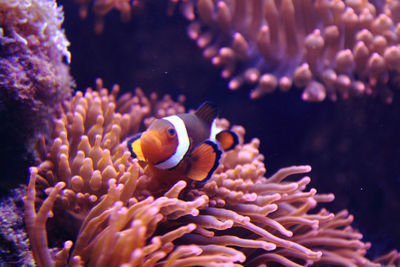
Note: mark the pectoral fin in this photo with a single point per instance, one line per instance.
(203, 161)
(227, 139)
(134, 146)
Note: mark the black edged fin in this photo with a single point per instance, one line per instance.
(207, 112)
(134, 147)
(227, 139)
(203, 161)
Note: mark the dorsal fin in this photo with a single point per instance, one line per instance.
(207, 112)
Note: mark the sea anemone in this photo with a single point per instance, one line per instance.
(237, 217)
(328, 48)
(101, 8)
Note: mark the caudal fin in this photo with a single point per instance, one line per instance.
(227, 139)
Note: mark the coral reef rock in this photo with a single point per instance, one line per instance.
(34, 76)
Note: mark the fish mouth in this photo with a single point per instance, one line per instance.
(151, 139)
(151, 146)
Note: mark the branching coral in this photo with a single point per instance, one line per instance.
(329, 48)
(237, 217)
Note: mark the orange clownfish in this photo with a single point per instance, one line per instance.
(183, 146)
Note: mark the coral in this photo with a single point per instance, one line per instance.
(237, 217)
(36, 24)
(329, 48)
(14, 245)
(34, 79)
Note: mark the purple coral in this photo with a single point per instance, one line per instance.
(34, 78)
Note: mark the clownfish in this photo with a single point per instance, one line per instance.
(183, 146)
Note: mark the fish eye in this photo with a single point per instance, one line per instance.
(171, 132)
